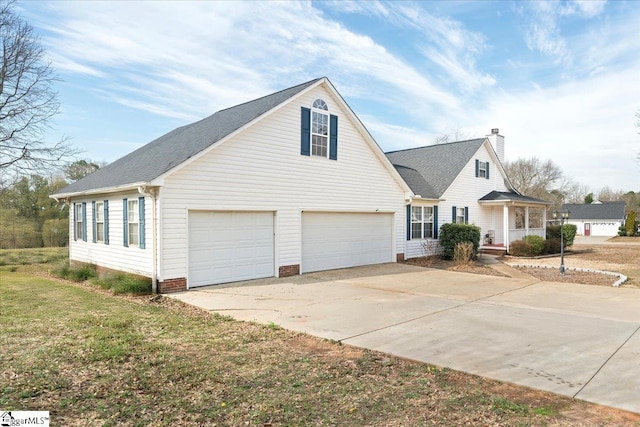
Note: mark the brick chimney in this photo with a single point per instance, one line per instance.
(497, 141)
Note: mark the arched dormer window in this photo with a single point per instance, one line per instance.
(319, 129)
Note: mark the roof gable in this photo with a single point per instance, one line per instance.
(604, 210)
(439, 165)
(174, 148)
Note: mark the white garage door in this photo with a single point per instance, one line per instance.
(604, 228)
(340, 240)
(229, 246)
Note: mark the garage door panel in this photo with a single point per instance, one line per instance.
(230, 246)
(339, 240)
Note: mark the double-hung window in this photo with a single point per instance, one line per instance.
(79, 221)
(421, 222)
(482, 169)
(100, 221)
(460, 217)
(133, 222)
(319, 129)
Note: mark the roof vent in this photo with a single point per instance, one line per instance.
(495, 131)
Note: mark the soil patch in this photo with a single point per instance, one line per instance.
(435, 261)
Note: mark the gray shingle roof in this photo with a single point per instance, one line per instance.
(438, 165)
(164, 153)
(510, 196)
(604, 210)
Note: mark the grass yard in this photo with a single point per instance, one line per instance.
(92, 358)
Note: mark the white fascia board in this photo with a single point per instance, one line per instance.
(494, 157)
(160, 180)
(367, 136)
(104, 190)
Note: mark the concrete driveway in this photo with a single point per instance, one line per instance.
(576, 340)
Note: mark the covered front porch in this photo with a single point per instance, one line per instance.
(510, 217)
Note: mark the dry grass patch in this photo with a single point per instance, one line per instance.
(91, 358)
(436, 261)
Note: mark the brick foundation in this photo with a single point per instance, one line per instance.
(399, 257)
(172, 285)
(289, 270)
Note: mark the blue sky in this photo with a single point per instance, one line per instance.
(560, 79)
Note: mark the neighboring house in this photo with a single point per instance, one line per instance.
(596, 219)
(285, 184)
(465, 182)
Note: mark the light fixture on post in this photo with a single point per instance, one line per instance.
(564, 216)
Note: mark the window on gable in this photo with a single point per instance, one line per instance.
(421, 222)
(482, 169)
(100, 221)
(460, 217)
(319, 129)
(133, 222)
(79, 225)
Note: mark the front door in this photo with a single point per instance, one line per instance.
(587, 229)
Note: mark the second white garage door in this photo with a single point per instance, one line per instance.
(229, 246)
(604, 228)
(339, 240)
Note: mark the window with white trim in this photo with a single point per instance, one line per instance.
(78, 218)
(460, 215)
(319, 129)
(133, 222)
(422, 222)
(99, 221)
(482, 169)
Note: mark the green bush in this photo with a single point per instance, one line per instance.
(551, 246)
(123, 283)
(622, 230)
(630, 223)
(76, 273)
(452, 233)
(536, 243)
(521, 248)
(553, 232)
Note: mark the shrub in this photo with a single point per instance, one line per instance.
(77, 273)
(536, 243)
(622, 230)
(630, 223)
(569, 232)
(463, 253)
(551, 246)
(123, 283)
(451, 234)
(521, 248)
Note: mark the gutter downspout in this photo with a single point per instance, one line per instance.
(152, 192)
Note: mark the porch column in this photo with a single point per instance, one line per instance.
(544, 222)
(505, 226)
(526, 220)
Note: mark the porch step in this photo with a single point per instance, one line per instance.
(493, 250)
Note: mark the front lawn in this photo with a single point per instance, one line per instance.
(92, 358)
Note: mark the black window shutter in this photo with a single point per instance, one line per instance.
(106, 222)
(333, 137)
(305, 132)
(93, 212)
(477, 168)
(125, 223)
(487, 174)
(454, 211)
(466, 215)
(408, 222)
(141, 243)
(435, 222)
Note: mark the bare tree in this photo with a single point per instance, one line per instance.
(577, 193)
(535, 178)
(454, 135)
(28, 102)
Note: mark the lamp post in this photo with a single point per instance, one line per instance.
(564, 215)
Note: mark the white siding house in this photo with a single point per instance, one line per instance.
(465, 182)
(285, 184)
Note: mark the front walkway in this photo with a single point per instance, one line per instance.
(575, 340)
